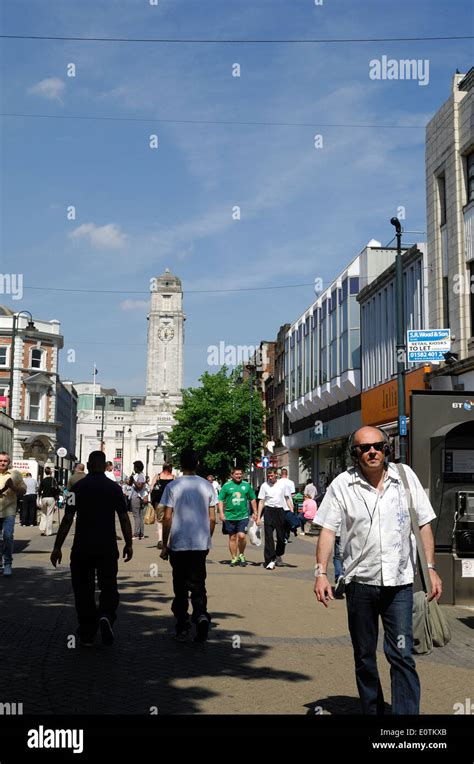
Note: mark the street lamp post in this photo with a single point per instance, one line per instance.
(31, 328)
(401, 346)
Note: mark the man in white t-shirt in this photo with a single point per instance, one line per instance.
(109, 471)
(284, 480)
(287, 484)
(189, 520)
(273, 497)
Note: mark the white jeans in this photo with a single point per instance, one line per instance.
(47, 513)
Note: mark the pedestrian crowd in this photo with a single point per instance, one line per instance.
(362, 518)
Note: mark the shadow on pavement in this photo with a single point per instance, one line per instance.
(144, 672)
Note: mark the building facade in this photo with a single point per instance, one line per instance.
(377, 301)
(29, 382)
(323, 370)
(450, 229)
(275, 402)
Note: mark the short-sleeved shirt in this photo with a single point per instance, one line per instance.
(274, 495)
(189, 497)
(96, 501)
(235, 497)
(139, 477)
(378, 545)
(31, 486)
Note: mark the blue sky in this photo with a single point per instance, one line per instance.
(305, 212)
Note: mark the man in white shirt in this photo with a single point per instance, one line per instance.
(189, 515)
(285, 481)
(368, 504)
(29, 509)
(273, 497)
(109, 471)
(288, 485)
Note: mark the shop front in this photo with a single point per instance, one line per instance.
(442, 455)
(379, 405)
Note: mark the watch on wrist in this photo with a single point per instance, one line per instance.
(431, 566)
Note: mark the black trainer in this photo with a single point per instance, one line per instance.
(182, 633)
(202, 629)
(106, 631)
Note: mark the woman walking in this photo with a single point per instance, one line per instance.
(138, 499)
(158, 485)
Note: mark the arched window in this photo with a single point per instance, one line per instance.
(36, 361)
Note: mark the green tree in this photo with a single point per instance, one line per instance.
(214, 419)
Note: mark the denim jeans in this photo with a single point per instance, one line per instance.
(7, 526)
(337, 559)
(394, 604)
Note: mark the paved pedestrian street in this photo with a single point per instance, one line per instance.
(272, 649)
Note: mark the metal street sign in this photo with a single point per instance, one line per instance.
(428, 344)
(62, 452)
(403, 425)
(265, 461)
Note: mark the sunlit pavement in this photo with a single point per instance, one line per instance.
(272, 648)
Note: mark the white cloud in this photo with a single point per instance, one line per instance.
(51, 88)
(103, 237)
(134, 304)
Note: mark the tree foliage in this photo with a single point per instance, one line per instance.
(214, 419)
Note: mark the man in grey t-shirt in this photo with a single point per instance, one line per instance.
(189, 520)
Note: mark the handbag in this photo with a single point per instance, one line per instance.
(149, 518)
(292, 520)
(430, 627)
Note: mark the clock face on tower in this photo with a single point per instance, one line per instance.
(165, 333)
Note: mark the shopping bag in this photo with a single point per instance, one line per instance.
(149, 518)
(254, 533)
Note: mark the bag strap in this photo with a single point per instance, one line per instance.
(424, 574)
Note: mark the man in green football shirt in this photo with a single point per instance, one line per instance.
(233, 511)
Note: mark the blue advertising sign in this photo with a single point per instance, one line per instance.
(424, 345)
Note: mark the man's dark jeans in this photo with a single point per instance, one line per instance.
(189, 576)
(83, 574)
(394, 604)
(28, 510)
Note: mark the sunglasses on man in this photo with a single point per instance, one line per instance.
(364, 448)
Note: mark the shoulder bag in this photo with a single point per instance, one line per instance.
(430, 627)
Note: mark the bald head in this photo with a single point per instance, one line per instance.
(368, 435)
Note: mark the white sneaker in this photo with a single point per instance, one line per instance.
(7, 570)
(302, 533)
(270, 565)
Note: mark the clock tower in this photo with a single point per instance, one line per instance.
(164, 379)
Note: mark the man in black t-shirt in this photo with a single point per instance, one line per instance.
(96, 500)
